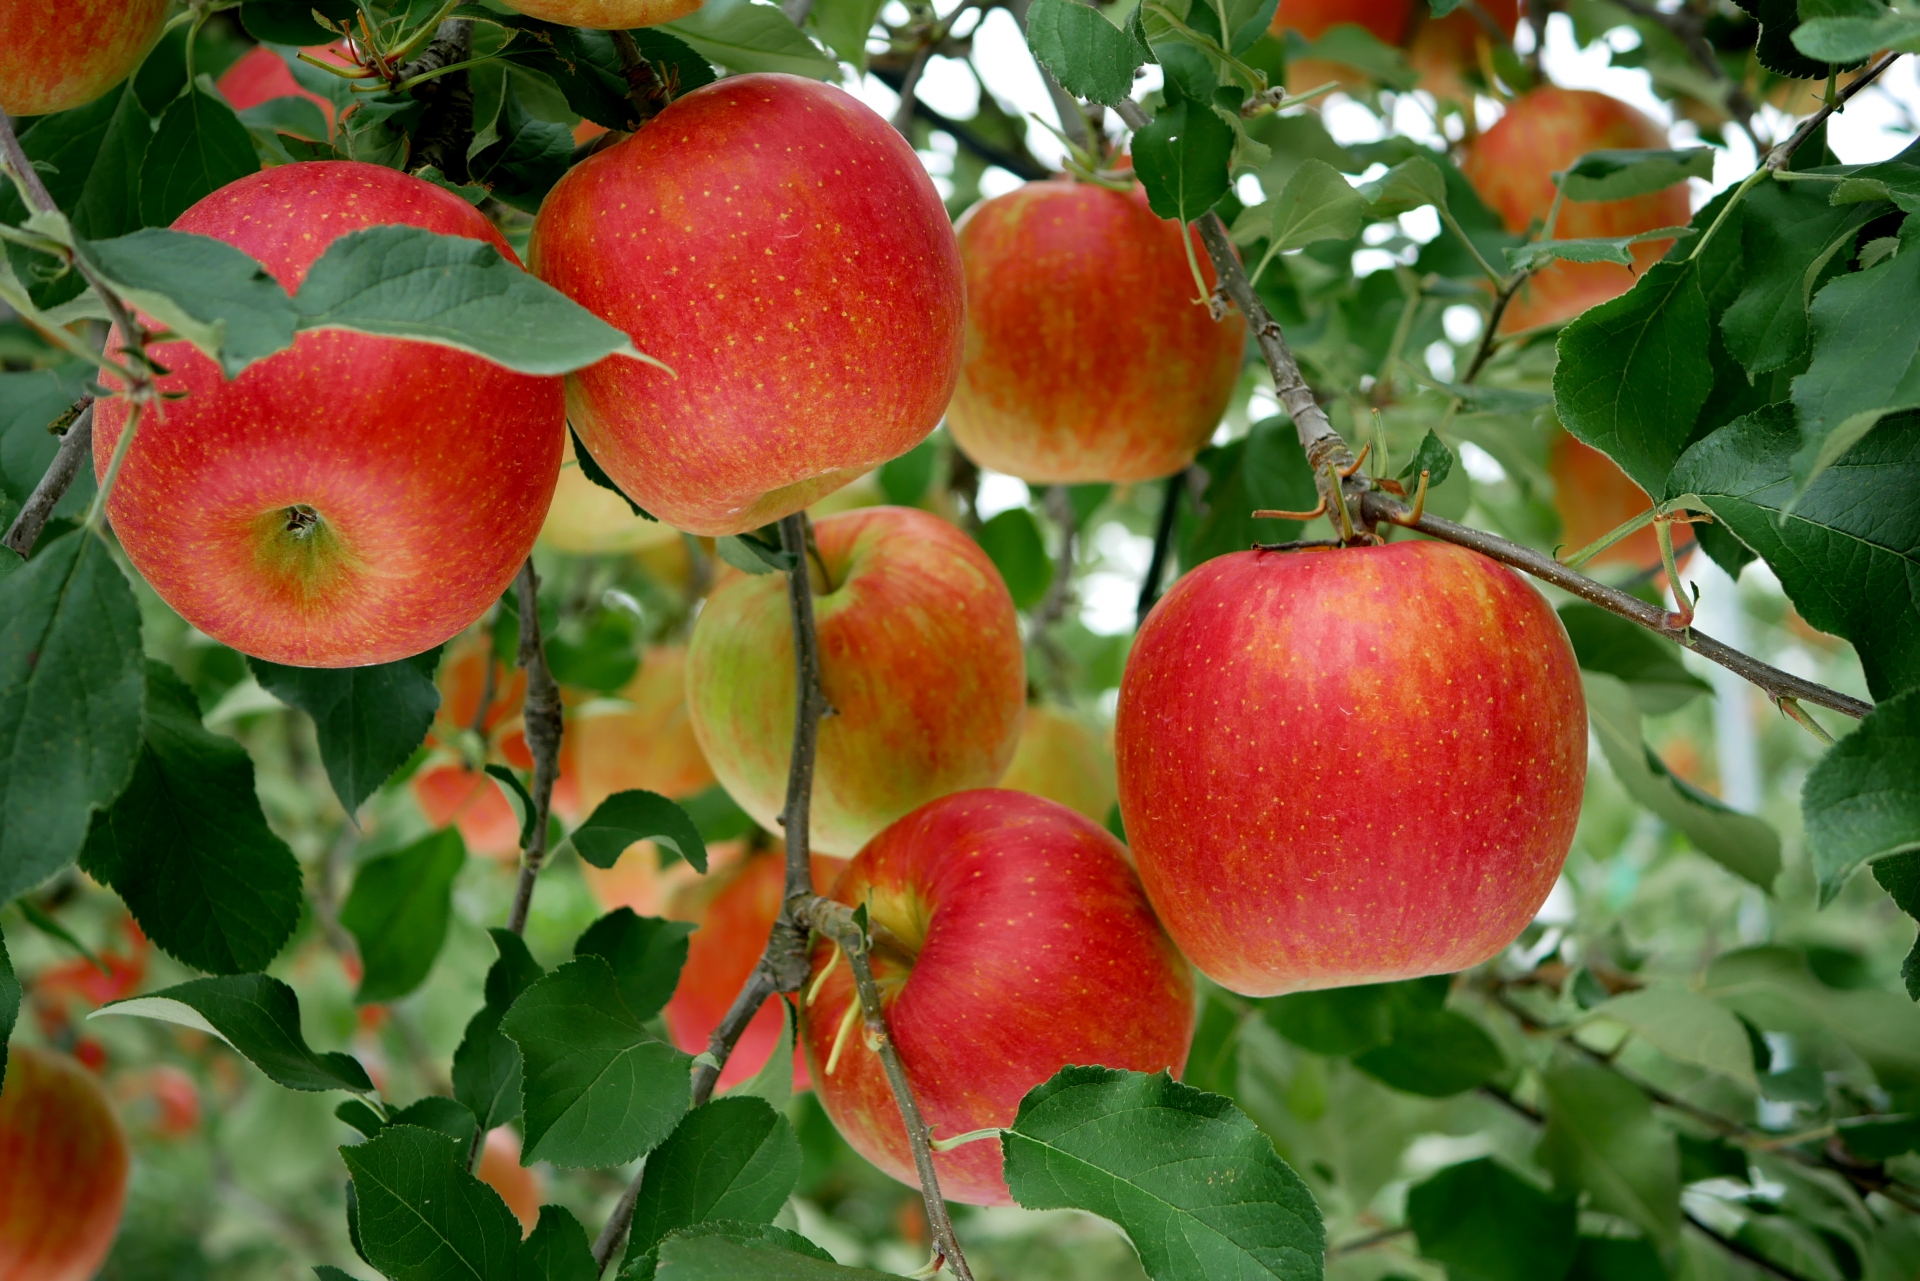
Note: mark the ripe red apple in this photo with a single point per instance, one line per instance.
(1512, 164)
(1349, 766)
(261, 75)
(55, 57)
(63, 1168)
(1442, 48)
(500, 1169)
(308, 511)
(1086, 355)
(1593, 496)
(1063, 759)
(920, 659)
(807, 296)
(1386, 20)
(645, 739)
(1011, 939)
(606, 15)
(734, 907)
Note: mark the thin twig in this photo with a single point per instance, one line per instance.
(76, 449)
(1489, 337)
(1367, 1242)
(543, 727)
(1688, 28)
(1377, 506)
(1018, 163)
(1777, 158)
(1162, 548)
(1735, 1246)
(909, 86)
(644, 89)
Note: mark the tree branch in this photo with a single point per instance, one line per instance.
(1019, 164)
(1162, 548)
(644, 90)
(543, 727)
(1688, 29)
(1740, 1248)
(446, 127)
(76, 448)
(1777, 158)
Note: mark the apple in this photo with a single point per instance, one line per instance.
(1061, 758)
(1349, 766)
(1011, 939)
(644, 739)
(606, 15)
(1087, 357)
(307, 511)
(519, 1187)
(920, 659)
(55, 57)
(1442, 48)
(1386, 20)
(591, 520)
(63, 1168)
(261, 75)
(734, 906)
(806, 295)
(1593, 497)
(1511, 165)
(167, 1100)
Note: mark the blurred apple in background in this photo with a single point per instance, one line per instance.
(1385, 20)
(1594, 497)
(500, 1169)
(44, 68)
(1443, 48)
(1086, 358)
(63, 1168)
(1066, 760)
(921, 661)
(605, 15)
(592, 520)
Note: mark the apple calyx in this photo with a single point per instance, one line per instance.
(301, 549)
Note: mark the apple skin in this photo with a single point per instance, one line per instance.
(1593, 496)
(519, 1187)
(1387, 20)
(1442, 48)
(809, 305)
(1063, 759)
(920, 659)
(1086, 357)
(1511, 166)
(405, 450)
(261, 75)
(1024, 943)
(735, 907)
(63, 1168)
(606, 15)
(1349, 766)
(55, 57)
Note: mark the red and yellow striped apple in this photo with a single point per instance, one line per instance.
(304, 512)
(920, 658)
(606, 15)
(1087, 357)
(1063, 759)
(1011, 939)
(1349, 766)
(55, 57)
(781, 248)
(63, 1168)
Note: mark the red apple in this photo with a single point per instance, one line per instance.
(308, 511)
(921, 662)
(1011, 939)
(1063, 759)
(1349, 766)
(734, 907)
(1086, 355)
(63, 1169)
(1443, 48)
(519, 1187)
(779, 245)
(1594, 497)
(1386, 20)
(55, 57)
(261, 75)
(606, 15)
(1512, 164)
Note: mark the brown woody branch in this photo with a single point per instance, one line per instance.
(1689, 28)
(446, 127)
(543, 727)
(76, 447)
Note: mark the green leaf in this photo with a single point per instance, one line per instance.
(1182, 157)
(1431, 456)
(1338, 1021)
(514, 788)
(750, 555)
(1899, 876)
(594, 472)
(9, 1004)
(1316, 204)
(1603, 1139)
(486, 1066)
(599, 1089)
(72, 683)
(204, 290)
(637, 815)
(1486, 1223)
(1407, 186)
(1686, 1027)
(327, 1272)
(844, 25)
(29, 404)
(1090, 56)
(646, 954)
(369, 720)
(1436, 1053)
(406, 282)
(1862, 801)
(1649, 665)
(1775, 48)
(1847, 40)
(734, 1159)
(1875, 1138)
(741, 36)
(258, 1016)
(422, 1217)
(1612, 249)
(1011, 541)
(1196, 1187)
(528, 154)
(300, 117)
(187, 847)
(199, 147)
(1620, 175)
(438, 1113)
(1790, 235)
(730, 1251)
(557, 1250)
(904, 480)
(291, 22)
(398, 913)
(357, 1114)
(1866, 357)
(717, 816)
(1847, 550)
(1744, 845)
(1264, 471)
(1772, 988)
(1634, 372)
(605, 657)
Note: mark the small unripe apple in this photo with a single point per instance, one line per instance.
(500, 1169)
(1011, 938)
(308, 512)
(63, 1168)
(1512, 165)
(1087, 355)
(1593, 497)
(1349, 766)
(606, 15)
(920, 659)
(806, 295)
(1063, 759)
(55, 57)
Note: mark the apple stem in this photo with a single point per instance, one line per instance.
(1162, 547)
(543, 730)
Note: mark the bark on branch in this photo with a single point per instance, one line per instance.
(76, 449)
(543, 727)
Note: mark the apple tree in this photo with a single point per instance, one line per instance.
(649, 638)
